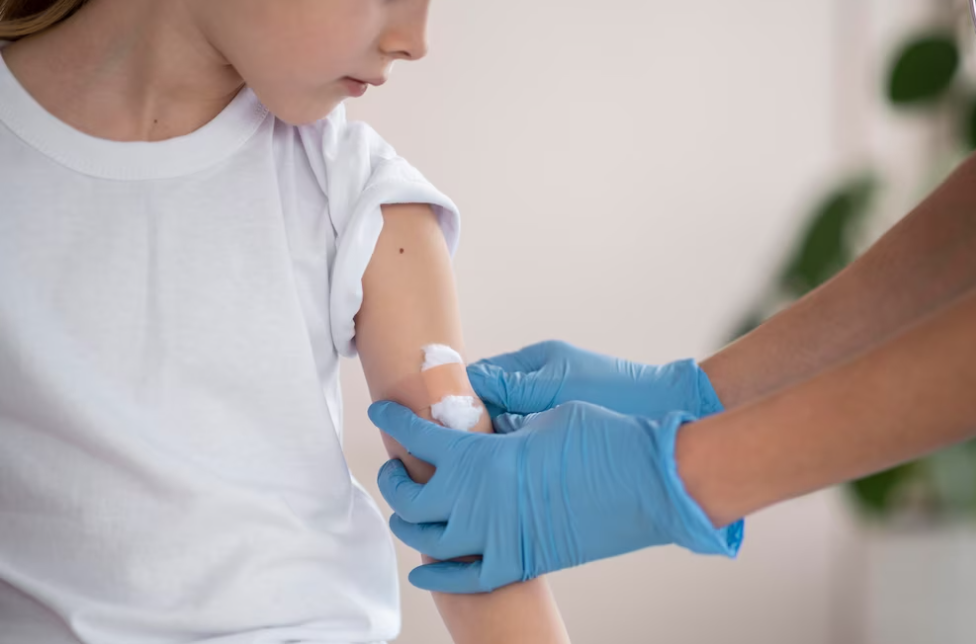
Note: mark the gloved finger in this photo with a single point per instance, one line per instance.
(403, 493)
(427, 538)
(512, 391)
(526, 359)
(509, 423)
(494, 411)
(426, 440)
(449, 577)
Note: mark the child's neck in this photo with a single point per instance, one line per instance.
(126, 70)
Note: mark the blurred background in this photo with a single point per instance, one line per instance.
(649, 178)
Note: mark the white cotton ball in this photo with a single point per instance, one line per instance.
(457, 412)
(436, 355)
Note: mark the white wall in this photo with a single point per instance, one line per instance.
(630, 172)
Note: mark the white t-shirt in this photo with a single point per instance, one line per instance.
(171, 320)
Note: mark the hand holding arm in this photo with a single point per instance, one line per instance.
(574, 484)
(548, 374)
(581, 482)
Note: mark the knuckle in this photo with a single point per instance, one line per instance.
(571, 412)
(404, 497)
(577, 406)
(560, 347)
(549, 347)
(408, 514)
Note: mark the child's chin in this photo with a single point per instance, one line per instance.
(295, 112)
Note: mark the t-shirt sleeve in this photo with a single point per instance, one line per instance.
(361, 173)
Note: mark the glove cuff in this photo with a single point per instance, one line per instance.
(707, 398)
(693, 529)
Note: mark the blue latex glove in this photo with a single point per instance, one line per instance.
(548, 374)
(572, 485)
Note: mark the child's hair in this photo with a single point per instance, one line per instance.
(19, 18)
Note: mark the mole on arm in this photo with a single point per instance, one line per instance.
(401, 251)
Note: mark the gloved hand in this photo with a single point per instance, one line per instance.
(574, 484)
(548, 374)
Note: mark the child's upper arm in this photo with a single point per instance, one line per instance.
(409, 301)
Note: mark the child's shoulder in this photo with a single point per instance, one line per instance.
(342, 141)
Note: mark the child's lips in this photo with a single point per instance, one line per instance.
(355, 87)
(358, 86)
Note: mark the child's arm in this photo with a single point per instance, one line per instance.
(410, 301)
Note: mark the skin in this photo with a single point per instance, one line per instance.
(875, 368)
(925, 262)
(902, 399)
(143, 70)
(409, 301)
(150, 70)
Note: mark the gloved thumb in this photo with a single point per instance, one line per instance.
(511, 391)
(426, 440)
(450, 577)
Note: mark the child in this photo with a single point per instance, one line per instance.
(191, 234)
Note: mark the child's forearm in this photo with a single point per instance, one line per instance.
(923, 263)
(520, 613)
(912, 395)
(523, 613)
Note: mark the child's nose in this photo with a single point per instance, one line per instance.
(406, 37)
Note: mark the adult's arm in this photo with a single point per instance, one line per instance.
(409, 301)
(921, 264)
(912, 394)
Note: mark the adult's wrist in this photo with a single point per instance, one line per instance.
(709, 402)
(717, 370)
(697, 455)
(703, 528)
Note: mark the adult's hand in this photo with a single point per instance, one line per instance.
(548, 374)
(572, 485)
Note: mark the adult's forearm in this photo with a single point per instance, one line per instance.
(913, 394)
(924, 262)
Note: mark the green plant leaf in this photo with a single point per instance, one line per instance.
(875, 494)
(952, 473)
(825, 249)
(969, 126)
(749, 323)
(923, 70)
